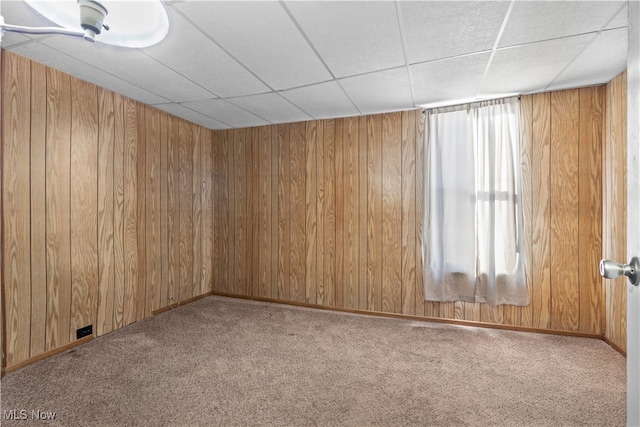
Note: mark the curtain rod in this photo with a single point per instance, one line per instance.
(454, 107)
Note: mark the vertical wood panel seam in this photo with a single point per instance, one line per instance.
(30, 210)
(580, 195)
(46, 196)
(403, 118)
(97, 205)
(549, 231)
(70, 193)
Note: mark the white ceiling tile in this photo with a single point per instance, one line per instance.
(244, 50)
(442, 29)
(607, 52)
(379, 92)
(454, 78)
(226, 112)
(190, 53)
(262, 36)
(621, 19)
(131, 65)
(60, 61)
(555, 19)
(11, 39)
(271, 107)
(531, 67)
(20, 13)
(323, 100)
(352, 37)
(192, 116)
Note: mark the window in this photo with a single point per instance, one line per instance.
(473, 239)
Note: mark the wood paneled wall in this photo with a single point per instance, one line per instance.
(1, 234)
(615, 208)
(564, 142)
(107, 213)
(329, 212)
(322, 212)
(113, 209)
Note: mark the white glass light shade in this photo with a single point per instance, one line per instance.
(133, 24)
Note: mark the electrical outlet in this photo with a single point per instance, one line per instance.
(83, 332)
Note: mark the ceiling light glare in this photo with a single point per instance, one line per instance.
(134, 24)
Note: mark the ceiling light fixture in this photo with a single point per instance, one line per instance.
(133, 24)
(92, 14)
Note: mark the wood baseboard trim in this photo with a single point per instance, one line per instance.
(416, 318)
(42, 356)
(615, 346)
(181, 303)
(87, 339)
(46, 355)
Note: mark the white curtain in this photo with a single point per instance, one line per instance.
(473, 239)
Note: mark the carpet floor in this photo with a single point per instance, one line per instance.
(229, 362)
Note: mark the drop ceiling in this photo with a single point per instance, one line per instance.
(241, 64)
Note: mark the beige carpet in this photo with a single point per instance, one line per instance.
(227, 362)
